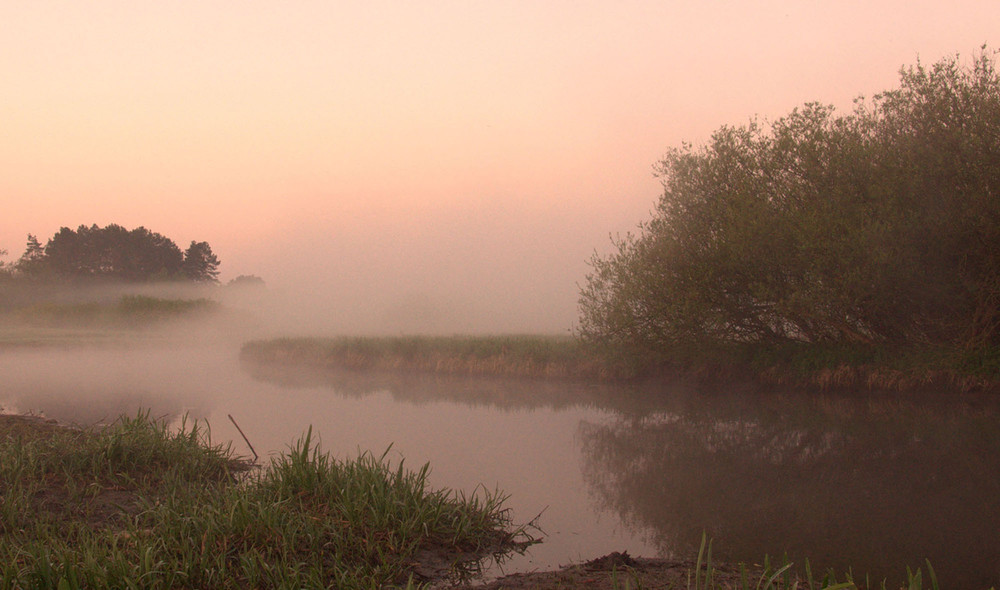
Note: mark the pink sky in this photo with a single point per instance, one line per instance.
(412, 166)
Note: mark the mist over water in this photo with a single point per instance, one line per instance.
(484, 274)
(877, 482)
(873, 482)
(471, 442)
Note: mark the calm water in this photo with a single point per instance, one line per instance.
(873, 481)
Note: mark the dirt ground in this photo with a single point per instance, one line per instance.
(615, 571)
(14, 426)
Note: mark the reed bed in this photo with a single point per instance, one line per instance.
(126, 311)
(552, 357)
(808, 367)
(141, 505)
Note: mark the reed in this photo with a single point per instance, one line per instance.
(556, 357)
(126, 311)
(142, 505)
(809, 366)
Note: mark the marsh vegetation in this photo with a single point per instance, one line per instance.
(494, 356)
(141, 504)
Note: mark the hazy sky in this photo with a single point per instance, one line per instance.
(411, 166)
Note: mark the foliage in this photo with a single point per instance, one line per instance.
(33, 258)
(200, 264)
(115, 253)
(880, 227)
(246, 281)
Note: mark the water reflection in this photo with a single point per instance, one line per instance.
(876, 482)
(93, 385)
(505, 394)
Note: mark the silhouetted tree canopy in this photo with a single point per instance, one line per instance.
(200, 264)
(881, 226)
(115, 253)
(246, 281)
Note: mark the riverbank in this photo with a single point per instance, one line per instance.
(141, 503)
(564, 358)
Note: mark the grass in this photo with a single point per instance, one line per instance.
(706, 575)
(875, 366)
(126, 311)
(141, 505)
(500, 356)
(561, 357)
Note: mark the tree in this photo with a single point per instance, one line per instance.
(879, 226)
(200, 264)
(32, 262)
(117, 254)
(112, 252)
(247, 282)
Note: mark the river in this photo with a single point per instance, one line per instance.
(873, 481)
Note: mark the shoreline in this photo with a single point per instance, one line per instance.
(564, 359)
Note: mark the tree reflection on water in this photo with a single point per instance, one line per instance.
(876, 482)
(873, 482)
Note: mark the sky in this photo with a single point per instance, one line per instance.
(407, 167)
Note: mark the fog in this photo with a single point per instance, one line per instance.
(434, 169)
(477, 274)
(644, 470)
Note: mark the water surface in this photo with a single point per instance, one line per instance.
(876, 482)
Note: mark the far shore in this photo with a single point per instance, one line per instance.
(563, 358)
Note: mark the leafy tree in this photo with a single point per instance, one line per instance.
(112, 252)
(200, 264)
(881, 226)
(115, 253)
(32, 261)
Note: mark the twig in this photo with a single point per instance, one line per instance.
(233, 420)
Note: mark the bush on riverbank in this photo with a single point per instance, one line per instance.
(138, 504)
(875, 231)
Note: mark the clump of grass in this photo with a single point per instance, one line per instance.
(139, 504)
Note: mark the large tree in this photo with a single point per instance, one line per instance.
(882, 225)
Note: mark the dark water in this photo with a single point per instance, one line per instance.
(876, 482)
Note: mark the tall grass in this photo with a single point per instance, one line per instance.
(141, 505)
(505, 356)
(126, 311)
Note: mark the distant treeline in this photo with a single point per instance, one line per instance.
(116, 254)
(876, 229)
